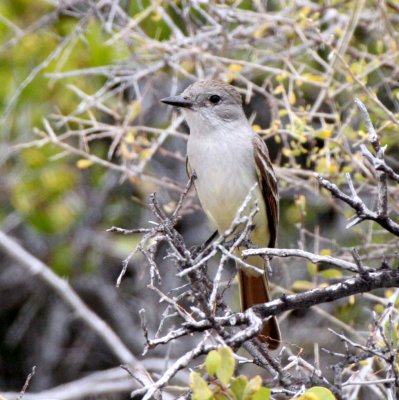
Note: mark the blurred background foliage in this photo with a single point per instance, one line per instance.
(91, 75)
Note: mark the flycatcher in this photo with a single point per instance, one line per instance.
(229, 159)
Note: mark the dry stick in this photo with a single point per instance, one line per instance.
(29, 377)
(382, 189)
(314, 258)
(379, 164)
(64, 290)
(363, 212)
(102, 383)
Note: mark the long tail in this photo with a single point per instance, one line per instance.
(255, 290)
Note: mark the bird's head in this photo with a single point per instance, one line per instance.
(209, 104)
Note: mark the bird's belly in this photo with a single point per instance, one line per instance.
(223, 183)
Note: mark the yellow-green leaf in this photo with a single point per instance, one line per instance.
(278, 90)
(301, 285)
(256, 128)
(235, 67)
(212, 362)
(312, 269)
(313, 78)
(84, 163)
(227, 365)
(331, 273)
(324, 133)
(238, 387)
(262, 394)
(253, 386)
(318, 393)
(199, 387)
(325, 252)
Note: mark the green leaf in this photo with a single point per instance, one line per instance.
(227, 365)
(253, 386)
(262, 394)
(331, 273)
(312, 269)
(212, 362)
(238, 387)
(199, 387)
(319, 393)
(301, 285)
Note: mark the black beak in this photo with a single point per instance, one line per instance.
(177, 101)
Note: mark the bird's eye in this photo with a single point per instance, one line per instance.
(214, 99)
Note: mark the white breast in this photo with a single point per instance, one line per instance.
(225, 168)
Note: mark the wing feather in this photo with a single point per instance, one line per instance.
(268, 183)
(188, 168)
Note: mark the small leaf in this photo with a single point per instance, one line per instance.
(262, 394)
(84, 163)
(130, 136)
(156, 16)
(286, 152)
(238, 387)
(300, 201)
(278, 90)
(318, 393)
(312, 269)
(227, 365)
(169, 207)
(199, 387)
(212, 362)
(379, 308)
(324, 133)
(313, 78)
(235, 67)
(253, 386)
(301, 285)
(145, 153)
(331, 273)
(127, 152)
(325, 252)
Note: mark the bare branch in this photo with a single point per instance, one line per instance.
(385, 278)
(314, 258)
(362, 211)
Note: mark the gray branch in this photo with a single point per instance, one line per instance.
(314, 258)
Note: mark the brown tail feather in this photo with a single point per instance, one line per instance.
(255, 290)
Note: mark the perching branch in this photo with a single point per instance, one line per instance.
(314, 258)
(382, 279)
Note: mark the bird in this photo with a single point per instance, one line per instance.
(230, 160)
